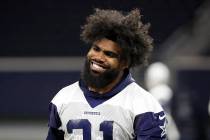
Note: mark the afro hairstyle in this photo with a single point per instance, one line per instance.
(127, 30)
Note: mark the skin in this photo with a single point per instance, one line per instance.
(103, 55)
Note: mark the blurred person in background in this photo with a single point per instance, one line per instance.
(107, 103)
(157, 79)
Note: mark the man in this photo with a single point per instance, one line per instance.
(106, 103)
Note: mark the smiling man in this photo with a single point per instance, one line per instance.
(103, 68)
(106, 103)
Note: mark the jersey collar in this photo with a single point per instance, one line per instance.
(94, 98)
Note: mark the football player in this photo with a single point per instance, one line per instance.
(106, 103)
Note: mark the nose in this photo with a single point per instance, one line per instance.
(100, 57)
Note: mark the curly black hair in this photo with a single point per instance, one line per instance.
(127, 30)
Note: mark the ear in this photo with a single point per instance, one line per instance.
(124, 64)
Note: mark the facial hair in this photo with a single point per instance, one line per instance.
(100, 80)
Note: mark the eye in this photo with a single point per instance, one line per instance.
(96, 48)
(111, 54)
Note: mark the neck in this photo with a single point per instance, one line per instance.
(108, 87)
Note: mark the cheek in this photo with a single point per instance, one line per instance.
(89, 54)
(115, 64)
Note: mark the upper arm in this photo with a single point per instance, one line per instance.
(55, 134)
(54, 123)
(150, 126)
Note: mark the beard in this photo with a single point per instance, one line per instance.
(99, 80)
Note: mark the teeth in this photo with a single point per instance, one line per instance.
(97, 67)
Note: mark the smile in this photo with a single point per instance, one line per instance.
(96, 67)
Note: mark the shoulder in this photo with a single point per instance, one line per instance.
(142, 100)
(149, 117)
(66, 93)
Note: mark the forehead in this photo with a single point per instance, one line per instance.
(108, 45)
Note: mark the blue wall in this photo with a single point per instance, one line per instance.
(27, 94)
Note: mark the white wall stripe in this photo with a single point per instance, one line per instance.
(190, 63)
(8, 64)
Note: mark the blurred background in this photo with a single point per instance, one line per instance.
(41, 52)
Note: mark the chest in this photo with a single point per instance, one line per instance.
(106, 121)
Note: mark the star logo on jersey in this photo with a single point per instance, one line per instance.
(162, 117)
(163, 128)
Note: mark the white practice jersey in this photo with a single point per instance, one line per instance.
(128, 112)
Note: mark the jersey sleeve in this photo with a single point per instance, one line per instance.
(54, 123)
(150, 126)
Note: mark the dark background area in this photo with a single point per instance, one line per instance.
(26, 95)
(52, 28)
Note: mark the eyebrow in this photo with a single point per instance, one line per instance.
(107, 52)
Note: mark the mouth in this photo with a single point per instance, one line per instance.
(97, 67)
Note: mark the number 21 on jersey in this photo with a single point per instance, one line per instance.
(106, 127)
